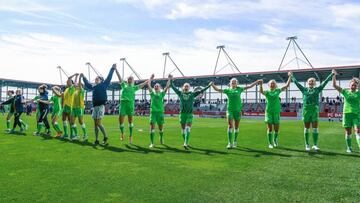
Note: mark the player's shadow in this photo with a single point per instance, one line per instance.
(144, 150)
(209, 152)
(16, 133)
(261, 152)
(173, 149)
(320, 152)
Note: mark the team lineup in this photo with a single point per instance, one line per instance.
(69, 106)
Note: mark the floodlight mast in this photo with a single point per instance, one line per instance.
(167, 55)
(90, 67)
(124, 61)
(228, 58)
(292, 41)
(62, 71)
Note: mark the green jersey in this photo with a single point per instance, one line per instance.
(128, 92)
(56, 103)
(157, 101)
(234, 98)
(352, 101)
(273, 104)
(187, 98)
(311, 95)
(36, 98)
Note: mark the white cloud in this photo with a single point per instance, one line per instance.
(346, 15)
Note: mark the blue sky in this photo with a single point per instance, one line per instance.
(37, 36)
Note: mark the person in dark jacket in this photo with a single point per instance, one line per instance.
(19, 102)
(99, 98)
(44, 111)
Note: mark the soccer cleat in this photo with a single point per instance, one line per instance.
(48, 133)
(186, 147)
(96, 142)
(316, 148)
(151, 146)
(36, 134)
(349, 150)
(75, 138)
(105, 141)
(130, 140)
(271, 146)
(229, 146)
(121, 137)
(58, 135)
(22, 130)
(12, 131)
(235, 145)
(7, 130)
(85, 138)
(275, 144)
(307, 147)
(64, 137)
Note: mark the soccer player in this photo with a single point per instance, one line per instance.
(77, 111)
(187, 99)
(44, 111)
(67, 102)
(234, 108)
(99, 99)
(351, 110)
(273, 109)
(19, 102)
(55, 101)
(10, 103)
(310, 113)
(157, 110)
(127, 103)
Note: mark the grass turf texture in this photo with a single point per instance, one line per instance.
(50, 170)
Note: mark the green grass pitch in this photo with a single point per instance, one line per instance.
(50, 170)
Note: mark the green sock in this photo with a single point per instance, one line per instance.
(270, 137)
(8, 124)
(152, 135)
(66, 133)
(161, 135)
(122, 128)
(315, 136)
(131, 127)
(348, 140)
(183, 134)
(276, 138)
(83, 127)
(39, 127)
(75, 130)
(187, 136)
(23, 125)
(306, 135)
(230, 134)
(236, 132)
(71, 131)
(57, 127)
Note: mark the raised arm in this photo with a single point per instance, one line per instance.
(142, 85)
(196, 93)
(176, 90)
(87, 84)
(72, 76)
(149, 84)
(287, 84)
(79, 82)
(252, 85)
(301, 88)
(326, 81)
(118, 75)
(111, 72)
(261, 82)
(216, 88)
(57, 93)
(337, 87)
(167, 87)
(9, 101)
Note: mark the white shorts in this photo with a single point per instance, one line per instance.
(98, 112)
